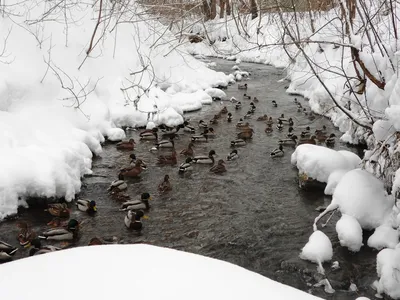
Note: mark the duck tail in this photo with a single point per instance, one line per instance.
(13, 251)
(42, 237)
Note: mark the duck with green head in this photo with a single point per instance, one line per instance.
(186, 166)
(37, 248)
(133, 220)
(201, 159)
(71, 232)
(88, 206)
(142, 204)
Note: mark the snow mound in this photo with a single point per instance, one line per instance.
(319, 162)
(177, 275)
(388, 269)
(349, 233)
(216, 93)
(318, 249)
(333, 181)
(361, 195)
(384, 236)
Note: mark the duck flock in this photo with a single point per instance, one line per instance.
(164, 137)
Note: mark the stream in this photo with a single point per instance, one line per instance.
(254, 215)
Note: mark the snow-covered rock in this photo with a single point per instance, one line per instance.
(216, 93)
(384, 236)
(333, 181)
(349, 233)
(105, 272)
(318, 249)
(388, 270)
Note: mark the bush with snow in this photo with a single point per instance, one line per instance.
(319, 162)
(349, 233)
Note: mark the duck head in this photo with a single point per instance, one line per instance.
(188, 160)
(332, 135)
(221, 162)
(234, 152)
(73, 225)
(140, 164)
(92, 206)
(211, 130)
(294, 137)
(211, 153)
(132, 157)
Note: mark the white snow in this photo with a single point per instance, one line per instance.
(388, 270)
(318, 249)
(349, 233)
(319, 162)
(214, 92)
(333, 181)
(125, 271)
(384, 236)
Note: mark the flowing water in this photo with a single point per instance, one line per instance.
(254, 215)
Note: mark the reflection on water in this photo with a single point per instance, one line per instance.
(254, 215)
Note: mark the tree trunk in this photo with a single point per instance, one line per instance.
(253, 9)
(228, 7)
(206, 10)
(213, 9)
(221, 9)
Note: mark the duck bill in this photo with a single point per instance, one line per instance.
(94, 208)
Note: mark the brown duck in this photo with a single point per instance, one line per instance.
(246, 134)
(168, 159)
(126, 145)
(59, 210)
(312, 140)
(132, 171)
(26, 234)
(219, 168)
(165, 185)
(189, 150)
(224, 110)
(263, 118)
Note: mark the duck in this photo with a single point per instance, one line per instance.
(58, 210)
(26, 234)
(305, 111)
(56, 222)
(282, 118)
(277, 152)
(269, 129)
(165, 185)
(205, 159)
(219, 168)
(105, 241)
(246, 134)
(120, 196)
(186, 166)
(211, 133)
(6, 251)
(229, 117)
(118, 186)
(311, 140)
(189, 150)
(201, 138)
(305, 133)
(149, 135)
(291, 141)
(142, 204)
(133, 158)
(245, 96)
(203, 124)
(295, 100)
(290, 122)
(330, 141)
(62, 234)
(233, 155)
(270, 121)
(262, 118)
(38, 249)
(218, 115)
(290, 133)
(133, 171)
(311, 116)
(248, 115)
(322, 137)
(233, 100)
(214, 121)
(255, 99)
(238, 105)
(238, 142)
(172, 133)
(164, 144)
(126, 145)
(224, 110)
(240, 123)
(133, 220)
(188, 128)
(242, 86)
(168, 159)
(321, 131)
(299, 108)
(279, 126)
(274, 104)
(88, 206)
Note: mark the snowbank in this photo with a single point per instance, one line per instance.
(105, 272)
(57, 104)
(318, 249)
(387, 267)
(320, 162)
(349, 233)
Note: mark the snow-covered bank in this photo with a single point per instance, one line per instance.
(117, 271)
(57, 105)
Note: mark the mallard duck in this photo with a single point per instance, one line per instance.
(210, 133)
(132, 171)
(290, 122)
(165, 185)
(233, 100)
(255, 99)
(238, 142)
(305, 133)
(295, 100)
(240, 123)
(203, 124)
(188, 128)
(164, 144)
(262, 118)
(245, 96)
(233, 155)
(322, 137)
(88, 206)
(134, 205)
(168, 159)
(117, 185)
(269, 129)
(305, 111)
(290, 133)
(189, 150)
(120, 196)
(229, 117)
(224, 110)
(201, 138)
(57, 222)
(214, 121)
(205, 159)
(38, 249)
(126, 145)
(149, 135)
(62, 234)
(246, 134)
(292, 141)
(186, 166)
(279, 126)
(105, 241)
(248, 115)
(133, 158)
(330, 141)
(133, 220)
(311, 116)
(58, 210)
(282, 118)
(274, 104)
(26, 234)
(219, 168)
(170, 135)
(299, 108)
(321, 131)
(311, 140)
(238, 105)
(277, 152)
(270, 121)
(242, 86)
(6, 251)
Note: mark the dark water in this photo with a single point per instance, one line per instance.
(254, 215)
